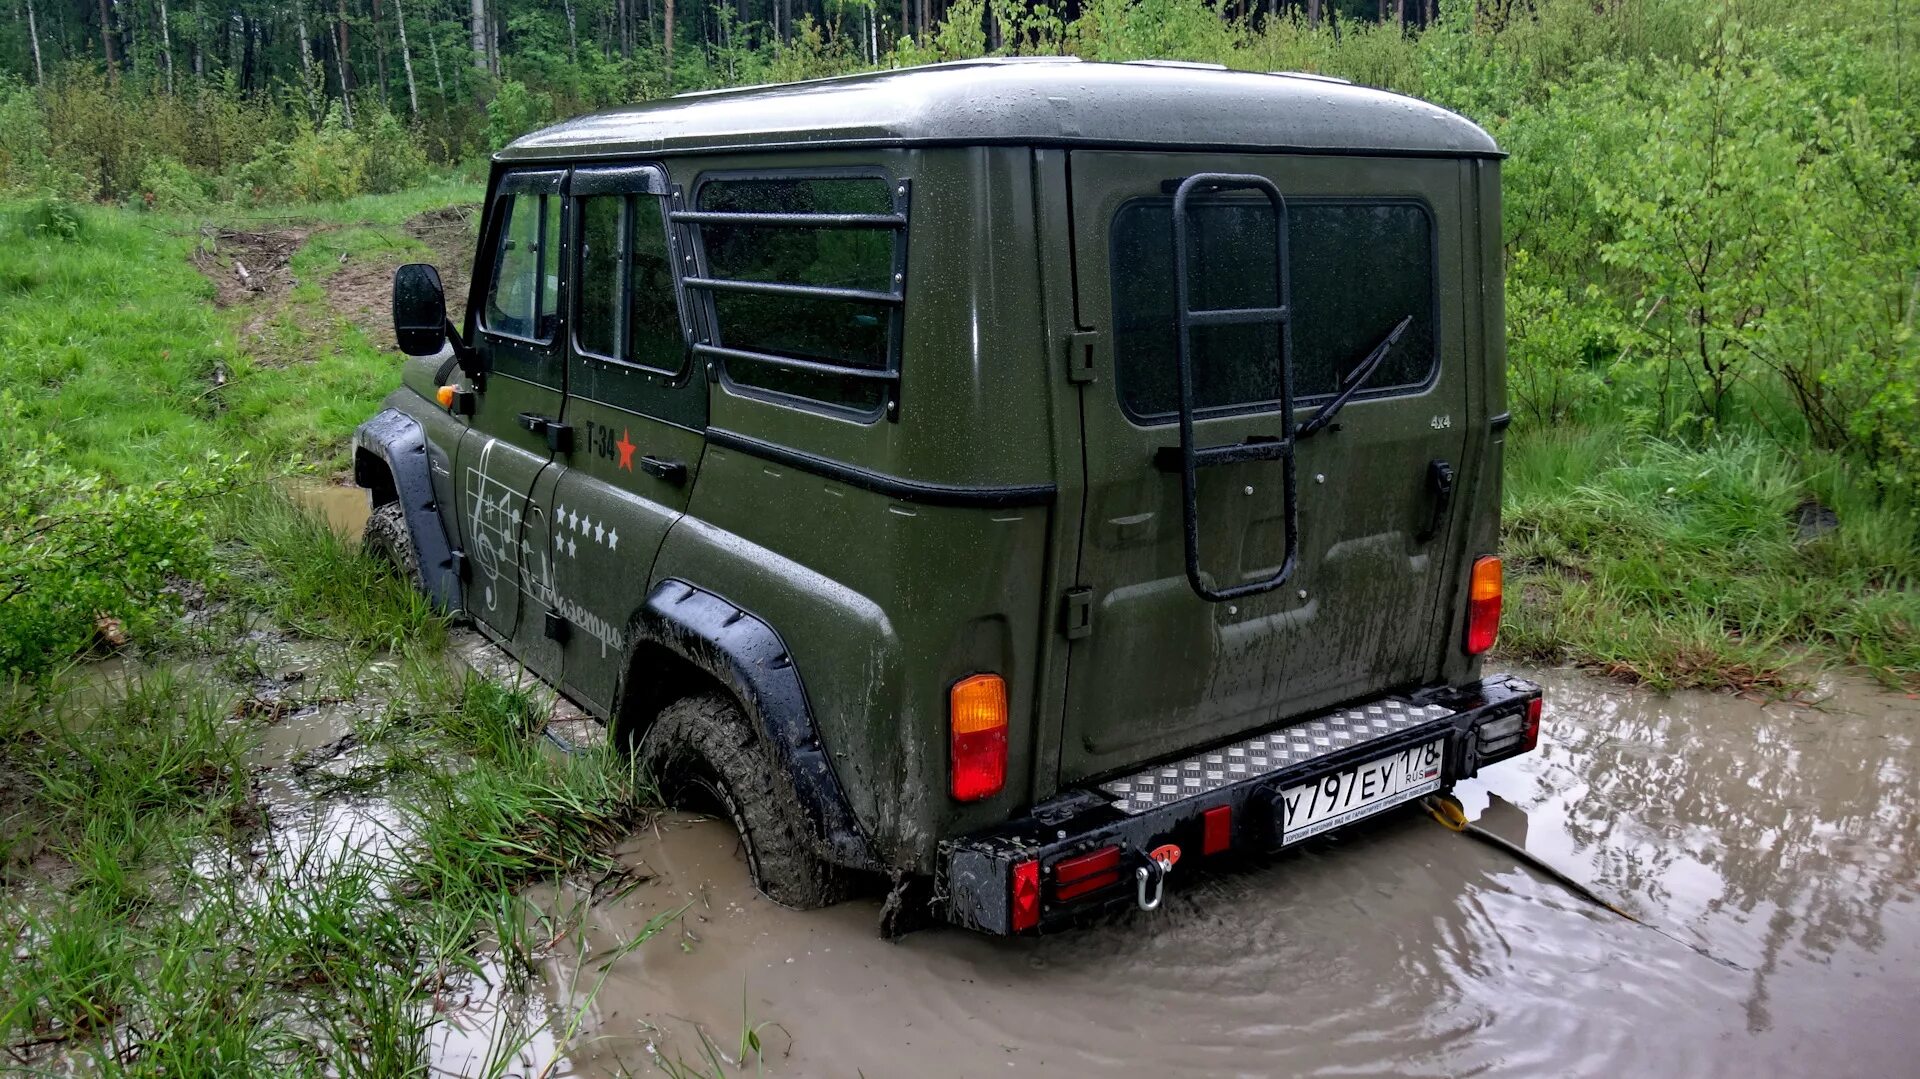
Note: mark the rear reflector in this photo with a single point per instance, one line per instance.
(1483, 605)
(1081, 874)
(1026, 896)
(977, 711)
(1216, 832)
(1530, 736)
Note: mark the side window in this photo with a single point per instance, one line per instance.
(523, 298)
(596, 328)
(627, 307)
(804, 285)
(1357, 269)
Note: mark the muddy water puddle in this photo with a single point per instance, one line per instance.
(343, 508)
(1772, 850)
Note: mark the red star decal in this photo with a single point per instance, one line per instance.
(625, 446)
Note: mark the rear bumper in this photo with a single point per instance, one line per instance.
(1220, 802)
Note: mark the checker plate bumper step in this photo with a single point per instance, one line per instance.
(1270, 752)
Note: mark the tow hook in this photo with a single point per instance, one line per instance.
(1159, 862)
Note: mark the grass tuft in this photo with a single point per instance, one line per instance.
(1684, 567)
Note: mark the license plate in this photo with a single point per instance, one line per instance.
(1338, 798)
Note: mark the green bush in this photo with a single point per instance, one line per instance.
(167, 184)
(75, 550)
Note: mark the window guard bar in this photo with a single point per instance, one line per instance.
(794, 363)
(894, 300)
(803, 220)
(785, 288)
(1191, 457)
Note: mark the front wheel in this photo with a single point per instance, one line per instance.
(701, 749)
(387, 538)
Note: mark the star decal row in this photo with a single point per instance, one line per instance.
(583, 527)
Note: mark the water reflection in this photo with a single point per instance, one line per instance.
(1780, 838)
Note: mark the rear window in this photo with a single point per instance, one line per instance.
(802, 279)
(1358, 268)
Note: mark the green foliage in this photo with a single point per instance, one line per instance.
(75, 550)
(514, 111)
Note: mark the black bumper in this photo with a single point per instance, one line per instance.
(979, 871)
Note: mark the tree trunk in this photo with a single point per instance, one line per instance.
(479, 9)
(341, 64)
(166, 43)
(1313, 14)
(1400, 15)
(573, 37)
(380, 50)
(33, 34)
(306, 43)
(668, 20)
(439, 80)
(406, 60)
(106, 37)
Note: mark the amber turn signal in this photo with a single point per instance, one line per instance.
(977, 712)
(445, 396)
(1483, 605)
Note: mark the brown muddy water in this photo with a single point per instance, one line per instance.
(1772, 850)
(343, 508)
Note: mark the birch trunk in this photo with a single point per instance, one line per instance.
(669, 35)
(439, 81)
(573, 37)
(479, 9)
(33, 34)
(406, 60)
(166, 43)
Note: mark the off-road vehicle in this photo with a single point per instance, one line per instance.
(1005, 477)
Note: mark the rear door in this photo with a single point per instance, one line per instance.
(1371, 242)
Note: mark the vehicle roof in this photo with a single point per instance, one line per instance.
(1040, 101)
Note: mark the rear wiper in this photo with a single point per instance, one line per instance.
(1319, 420)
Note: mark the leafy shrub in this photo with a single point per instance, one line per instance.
(514, 111)
(75, 550)
(167, 184)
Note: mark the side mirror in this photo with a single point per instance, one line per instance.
(419, 310)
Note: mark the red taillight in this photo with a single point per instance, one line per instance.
(977, 714)
(1216, 829)
(1530, 734)
(1026, 896)
(1483, 605)
(1076, 876)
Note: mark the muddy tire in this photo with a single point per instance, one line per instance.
(703, 753)
(387, 538)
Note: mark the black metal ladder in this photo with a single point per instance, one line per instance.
(1191, 457)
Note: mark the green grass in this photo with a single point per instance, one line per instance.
(328, 965)
(1682, 567)
(112, 339)
(290, 564)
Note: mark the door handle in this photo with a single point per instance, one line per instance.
(1440, 489)
(674, 472)
(559, 435)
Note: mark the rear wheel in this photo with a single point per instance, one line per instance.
(704, 753)
(387, 538)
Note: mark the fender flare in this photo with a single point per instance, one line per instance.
(746, 655)
(394, 439)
